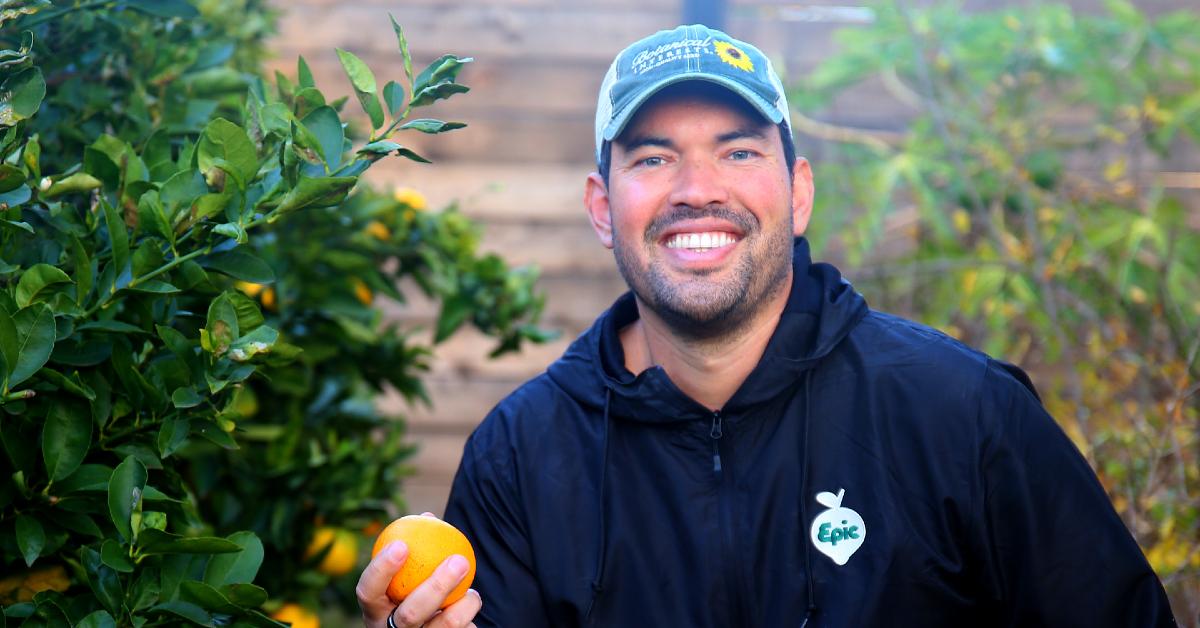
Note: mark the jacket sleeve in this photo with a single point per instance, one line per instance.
(485, 504)
(1059, 555)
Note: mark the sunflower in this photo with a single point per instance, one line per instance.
(734, 56)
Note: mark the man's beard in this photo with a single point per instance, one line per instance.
(697, 309)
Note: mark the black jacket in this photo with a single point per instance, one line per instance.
(597, 498)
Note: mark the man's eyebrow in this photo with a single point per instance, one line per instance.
(635, 143)
(742, 133)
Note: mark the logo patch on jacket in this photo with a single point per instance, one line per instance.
(837, 532)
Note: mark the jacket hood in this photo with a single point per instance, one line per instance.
(822, 308)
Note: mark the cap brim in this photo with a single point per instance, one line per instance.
(622, 117)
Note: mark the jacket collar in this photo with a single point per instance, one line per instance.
(821, 310)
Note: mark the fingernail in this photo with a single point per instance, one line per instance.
(396, 548)
(458, 565)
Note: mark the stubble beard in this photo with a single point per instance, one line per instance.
(700, 308)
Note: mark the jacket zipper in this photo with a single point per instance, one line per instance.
(725, 502)
(715, 434)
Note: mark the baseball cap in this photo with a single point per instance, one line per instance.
(686, 53)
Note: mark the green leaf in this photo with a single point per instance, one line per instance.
(97, 619)
(105, 582)
(88, 477)
(239, 264)
(258, 341)
(31, 538)
(119, 238)
(125, 490)
(222, 325)
(73, 184)
(153, 218)
(232, 230)
(165, 8)
(381, 147)
(35, 281)
(35, 341)
(325, 126)
(455, 311)
(241, 567)
(152, 286)
(9, 346)
(360, 75)
(154, 541)
(186, 610)
(244, 594)
(23, 226)
(303, 74)
(113, 554)
(402, 43)
(409, 153)
(21, 96)
(370, 104)
(66, 437)
(172, 434)
(206, 597)
(444, 69)
(84, 274)
(184, 397)
(393, 97)
(224, 141)
(429, 125)
(316, 191)
(437, 91)
(11, 177)
(116, 327)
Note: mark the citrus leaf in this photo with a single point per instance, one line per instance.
(239, 264)
(66, 437)
(35, 282)
(31, 538)
(402, 43)
(125, 494)
(113, 554)
(224, 140)
(35, 341)
(316, 191)
(393, 97)
(21, 96)
(326, 127)
(104, 581)
(304, 74)
(360, 75)
(370, 104)
(429, 125)
(97, 619)
(240, 567)
(154, 541)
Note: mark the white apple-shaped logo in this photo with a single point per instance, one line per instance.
(837, 532)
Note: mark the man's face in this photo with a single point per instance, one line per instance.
(700, 210)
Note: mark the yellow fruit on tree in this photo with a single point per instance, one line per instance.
(362, 292)
(297, 616)
(430, 541)
(343, 550)
(379, 230)
(21, 587)
(408, 196)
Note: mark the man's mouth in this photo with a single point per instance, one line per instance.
(701, 241)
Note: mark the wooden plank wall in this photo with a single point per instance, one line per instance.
(518, 169)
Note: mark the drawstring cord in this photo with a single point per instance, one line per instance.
(808, 572)
(597, 588)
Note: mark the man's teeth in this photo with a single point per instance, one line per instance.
(708, 240)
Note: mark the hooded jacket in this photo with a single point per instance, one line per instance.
(869, 472)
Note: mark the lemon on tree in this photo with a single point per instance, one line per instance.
(296, 615)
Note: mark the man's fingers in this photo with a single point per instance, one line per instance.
(373, 583)
(424, 601)
(460, 613)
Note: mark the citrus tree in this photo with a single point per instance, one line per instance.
(189, 341)
(1027, 190)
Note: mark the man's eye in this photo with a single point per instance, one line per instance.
(651, 161)
(741, 154)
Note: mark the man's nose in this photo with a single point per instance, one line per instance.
(698, 183)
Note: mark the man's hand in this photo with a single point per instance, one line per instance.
(419, 609)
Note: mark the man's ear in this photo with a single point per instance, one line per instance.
(595, 201)
(802, 196)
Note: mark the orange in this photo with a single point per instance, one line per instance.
(430, 542)
(297, 616)
(342, 554)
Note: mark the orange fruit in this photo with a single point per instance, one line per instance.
(342, 554)
(297, 616)
(430, 542)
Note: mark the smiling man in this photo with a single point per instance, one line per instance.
(740, 441)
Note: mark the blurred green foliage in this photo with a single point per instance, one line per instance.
(190, 333)
(1025, 206)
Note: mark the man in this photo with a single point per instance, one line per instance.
(740, 440)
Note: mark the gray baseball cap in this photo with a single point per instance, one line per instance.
(686, 53)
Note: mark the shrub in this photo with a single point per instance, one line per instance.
(189, 345)
(1040, 226)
